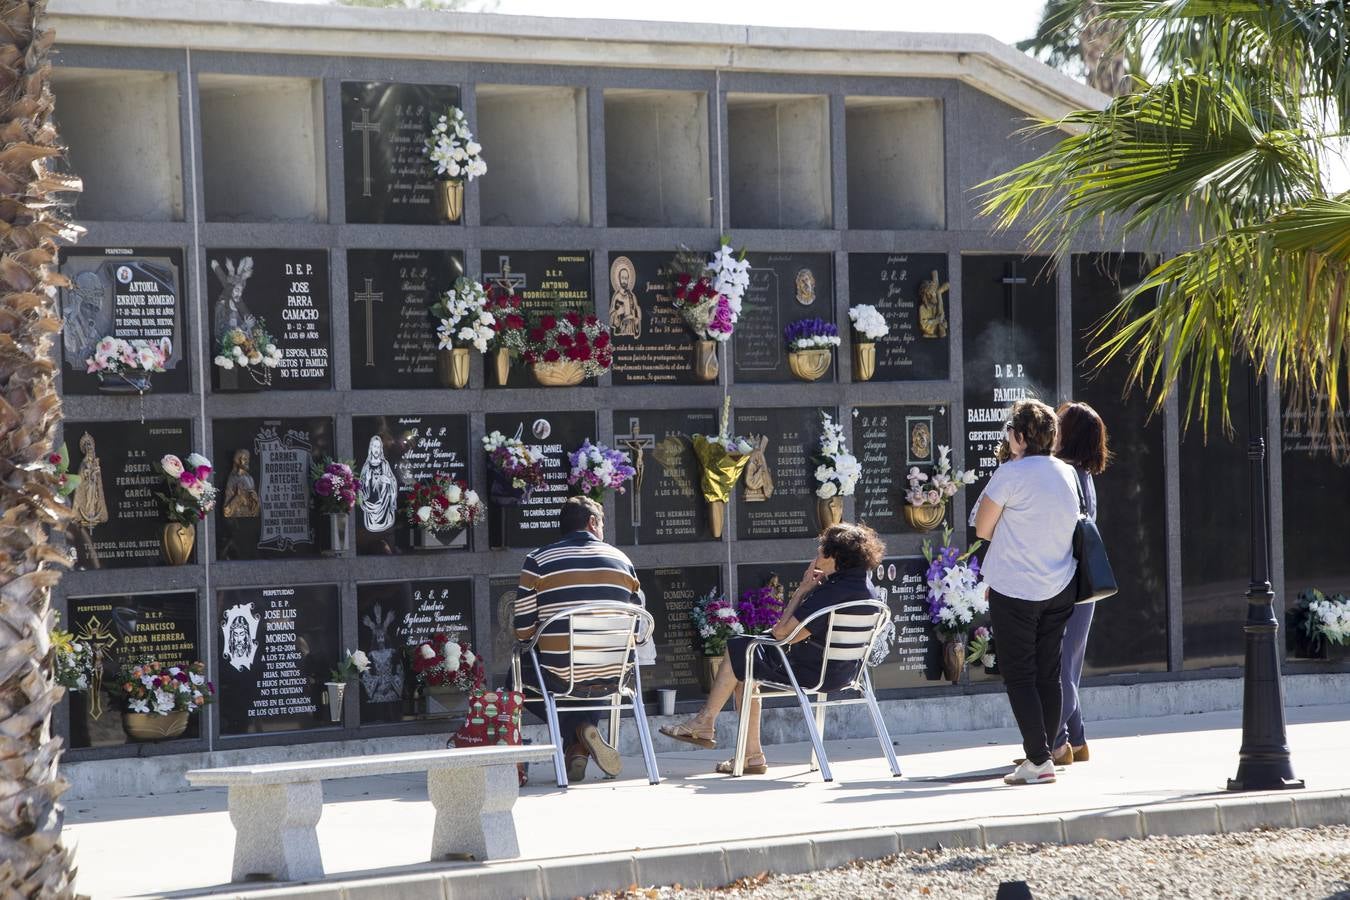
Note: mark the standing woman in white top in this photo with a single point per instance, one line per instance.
(1028, 514)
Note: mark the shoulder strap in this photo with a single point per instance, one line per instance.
(1082, 500)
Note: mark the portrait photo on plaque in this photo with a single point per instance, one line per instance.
(271, 325)
(784, 288)
(393, 333)
(664, 502)
(908, 653)
(133, 294)
(117, 521)
(888, 441)
(913, 294)
(392, 454)
(671, 592)
(652, 344)
(126, 629)
(278, 646)
(550, 436)
(265, 507)
(546, 281)
(776, 497)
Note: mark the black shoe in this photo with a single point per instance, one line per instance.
(605, 756)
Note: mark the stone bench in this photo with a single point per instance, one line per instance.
(275, 807)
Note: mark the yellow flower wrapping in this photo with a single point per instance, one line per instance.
(721, 470)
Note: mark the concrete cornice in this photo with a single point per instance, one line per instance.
(264, 27)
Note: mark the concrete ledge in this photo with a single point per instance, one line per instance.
(488, 882)
(1107, 825)
(1257, 812)
(691, 867)
(842, 847)
(581, 876)
(1327, 808)
(1028, 830)
(944, 836)
(782, 856)
(1179, 819)
(412, 887)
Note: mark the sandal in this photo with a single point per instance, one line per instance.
(683, 732)
(726, 767)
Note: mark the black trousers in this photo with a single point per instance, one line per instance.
(1028, 637)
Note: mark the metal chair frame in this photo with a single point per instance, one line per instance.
(638, 630)
(814, 713)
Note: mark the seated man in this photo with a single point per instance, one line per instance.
(580, 568)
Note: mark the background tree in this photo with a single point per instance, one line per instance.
(1074, 38)
(32, 861)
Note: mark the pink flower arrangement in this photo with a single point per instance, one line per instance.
(189, 494)
(116, 356)
(708, 293)
(336, 487)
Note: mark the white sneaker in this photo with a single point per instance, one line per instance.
(1030, 773)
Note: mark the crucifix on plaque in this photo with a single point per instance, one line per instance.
(637, 445)
(1010, 283)
(366, 128)
(369, 297)
(511, 282)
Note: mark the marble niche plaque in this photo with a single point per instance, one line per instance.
(389, 296)
(551, 435)
(288, 291)
(670, 594)
(387, 178)
(393, 452)
(501, 632)
(776, 497)
(908, 654)
(123, 292)
(122, 628)
(652, 345)
(264, 510)
(888, 441)
(545, 281)
(393, 616)
(664, 503)
(117, 519)
(784, 287)
(278, 645)
(911, 291)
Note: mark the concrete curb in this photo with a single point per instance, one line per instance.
(711, 865)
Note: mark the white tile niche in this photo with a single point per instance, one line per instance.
(537, 150)
(779, 154)
(895, 169)
(657, 159)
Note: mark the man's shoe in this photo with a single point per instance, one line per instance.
(1063, 756)
(577, 757)
(1030, 773)
(605, 756)
(1080, 754)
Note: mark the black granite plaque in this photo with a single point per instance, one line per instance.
(912, 654)
(670, 594)
(551, 435)
(777, 492)
(128, 293)
(117, 519)
(502, 634)
(784, 287)
(393, 616)
(387, 177)
(911, 291)
(888, 441)
(664, 503)
(652, 345)
(288, 291)
(392, 453)
(544, 280)
(784, 577)
(278, 645)
(122, 628)
(264, 510)
(393, 334)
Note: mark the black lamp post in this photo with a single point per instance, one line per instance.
(1263, 760)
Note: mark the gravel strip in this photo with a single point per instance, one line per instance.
(1285, 864)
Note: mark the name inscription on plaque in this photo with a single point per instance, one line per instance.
(910, 290)
(908, 655)
(888, 441)
(393, 334)
(393, 453)
(551, 436)
(784, 287)
(777, 492)
(664, 502)
(652, 345)
(670, 594)
(545, 281)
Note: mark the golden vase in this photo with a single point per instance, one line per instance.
(176, 542)
(830, 511)
(501, 365)
(809, 365)
(451, 197)
(150, 727)
(864, 361)
(705, 361)
(559, 374)
(953, 660)
(717, 513)
(926, 517)
(707, 671)
(452, 367)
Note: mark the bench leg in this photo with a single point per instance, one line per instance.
(457, 794)
(274, 834)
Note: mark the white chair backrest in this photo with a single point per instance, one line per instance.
(605, 633)
(847, 631)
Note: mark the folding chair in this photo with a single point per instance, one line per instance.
(604, 633)
(848, 636)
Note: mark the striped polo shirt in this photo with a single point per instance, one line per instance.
(578, 569)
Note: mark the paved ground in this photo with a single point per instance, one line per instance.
(378, 824)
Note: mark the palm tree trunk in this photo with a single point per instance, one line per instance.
(32, 861)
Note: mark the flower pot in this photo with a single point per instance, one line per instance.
(864, 361)
(151, 727)
(426, 539)
(809, 365)
(339, 535)
(450, 199)
(501, 365)
(452, 367)
(337, 692)
(559, 374)
(705, 361)
(953, 660)
(830, 511)
(925, 518)
(717, 513)
(443, 700)
(124, 382)
(707, 671)
(176, 541)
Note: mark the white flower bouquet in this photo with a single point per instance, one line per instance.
(152, 688)
(131, 360)
(956, 594)
(838, 471)
(441, 503)
(240, 349)
(868, 323)
(353, 665)
(452, 149)
(441, 662)
(465, 320)
(709, 292)
(74, 661)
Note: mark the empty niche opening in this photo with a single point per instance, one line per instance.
(537, 151)
(121, 128)
(779, 153)
(895, 165)
(262, 149)
(656, 159)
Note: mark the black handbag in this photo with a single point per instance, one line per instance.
(1094, 580)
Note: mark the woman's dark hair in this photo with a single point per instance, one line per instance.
(1036, 424)
(1082, 438)
(852, 546)
(576, 514)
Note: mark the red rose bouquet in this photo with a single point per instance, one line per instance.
(508, 320)
(441, 503)
(570, 337)
(441, 662)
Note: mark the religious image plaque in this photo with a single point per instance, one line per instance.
(784, 287)
(502, 634)
(117, 519)
(888, 441)
(387, 177)
(389, 297)
(278, 645)
(670, 594)
(545, 280)
(907, 654)
(128, 293)
(910, 290)
(393, 452)
(777, 493)
(664, 502)
(551, 436)
(652, 345)
(284, 291)
(264, 509)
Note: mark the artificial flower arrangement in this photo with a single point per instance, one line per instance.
(464, 316)
(981, 648)
(709, 292)
(722, 458)
(759, 610)
(1319, 620)
(597, 469)
(189, 494)
(838, 470)
(452, 150)
(336, 486)
(129, 362)
(927, 496)
(73, 661)
(869, 326)
(150, 687)
(509, 327)
(441, 662)
(355, 664)
(563, 348)
(58, 467)
(716, 621)
(253, 350)
(956, 598)
(516, 470)
(809, 342)
(440, 503)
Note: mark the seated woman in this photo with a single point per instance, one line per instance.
(846, 556)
